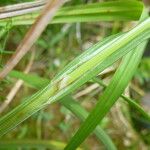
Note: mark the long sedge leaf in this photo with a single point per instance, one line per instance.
(111, 94)
(77, 75)
(104, 11)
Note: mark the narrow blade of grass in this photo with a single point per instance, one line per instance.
(77, 109)
(30, 143)
(38, 82)
(6, 52)
(82, 114)
(104, 11)
(109, 97)
(113, 91)
(130, 101)
(32, 80)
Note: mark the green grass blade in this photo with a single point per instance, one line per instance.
(104, 11)
(82, 114)
(5, 52)
(77, 75)
(73, 106)
(31, 144)
(113, 91)
(26, 143)
(68, 102)
(32, 80)
(37, 82)
(127, 99)
(109, 97)
(136, 106)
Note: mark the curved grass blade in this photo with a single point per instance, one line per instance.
(111, 94)
(37, 82)
(4, 52)
(20, 9)
(130, 101)
(82, 114)
(77, 75)
(74, 107)
(26, 143)
(32, 80)
(104, 11)
(109, 97)
(68, 102)
(137, 106)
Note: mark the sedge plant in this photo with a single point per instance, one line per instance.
(127, 46)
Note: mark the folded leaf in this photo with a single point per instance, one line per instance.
(77, 74)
